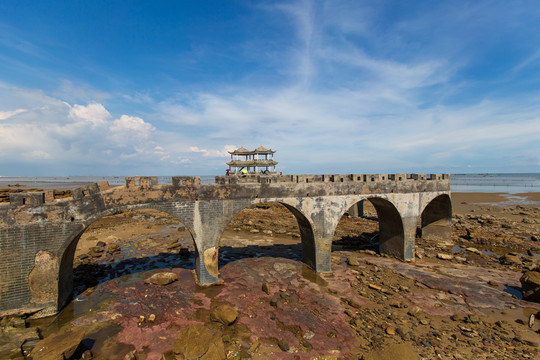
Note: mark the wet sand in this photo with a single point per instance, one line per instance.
(465, 202)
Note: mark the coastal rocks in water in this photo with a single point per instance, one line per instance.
(163, 278)
(13, 339)
(113, 248)
(96, 251)
(530, 285)
(224, 314)
(199, 342)
(60, 346)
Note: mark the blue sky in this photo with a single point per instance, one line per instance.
(167, 87)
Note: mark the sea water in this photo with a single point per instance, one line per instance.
(503, 183)
(500, 183)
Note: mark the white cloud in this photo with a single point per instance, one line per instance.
(131, 127)
(94, 113)
(132, 131)
(49, 129)
(7, 114)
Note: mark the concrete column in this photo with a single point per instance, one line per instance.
(207, 224)
(353, 211)
(360, 208)
(209, 220)
(206, 266)
(323, 254)
(325, 214)
(409, 237)
(357, 210)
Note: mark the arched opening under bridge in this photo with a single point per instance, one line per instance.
(358, 228)
(269, 229)
(385, 232)
(122, 243)
(436, 219)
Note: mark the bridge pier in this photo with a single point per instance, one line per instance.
(409, 237)
(323, 255)
(206, 267)
(357, 210)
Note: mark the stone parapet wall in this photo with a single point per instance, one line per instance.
(267, 179)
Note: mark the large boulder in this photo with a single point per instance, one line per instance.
(224, 314)
(59, 346)
(530, 285)
(199, 342)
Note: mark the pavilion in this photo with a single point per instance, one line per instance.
(259, 160)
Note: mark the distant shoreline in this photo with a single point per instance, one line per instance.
(510, 183)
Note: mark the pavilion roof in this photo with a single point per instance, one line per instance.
(243, 151)
(262, 150)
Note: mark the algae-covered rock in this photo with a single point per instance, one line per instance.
(163, 278)
(199, 342)
(224, 314)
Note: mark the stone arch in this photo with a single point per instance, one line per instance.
(358, 209)
(391, 228)
(69, 246)
(436, 218)
(305, 225)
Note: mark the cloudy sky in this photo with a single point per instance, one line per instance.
(167, 87)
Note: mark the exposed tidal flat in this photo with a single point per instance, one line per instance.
(461, 299)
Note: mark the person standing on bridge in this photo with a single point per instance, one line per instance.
(244, 172)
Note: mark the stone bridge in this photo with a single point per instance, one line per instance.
(39, 234)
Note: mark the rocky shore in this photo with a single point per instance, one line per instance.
(137, 299)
